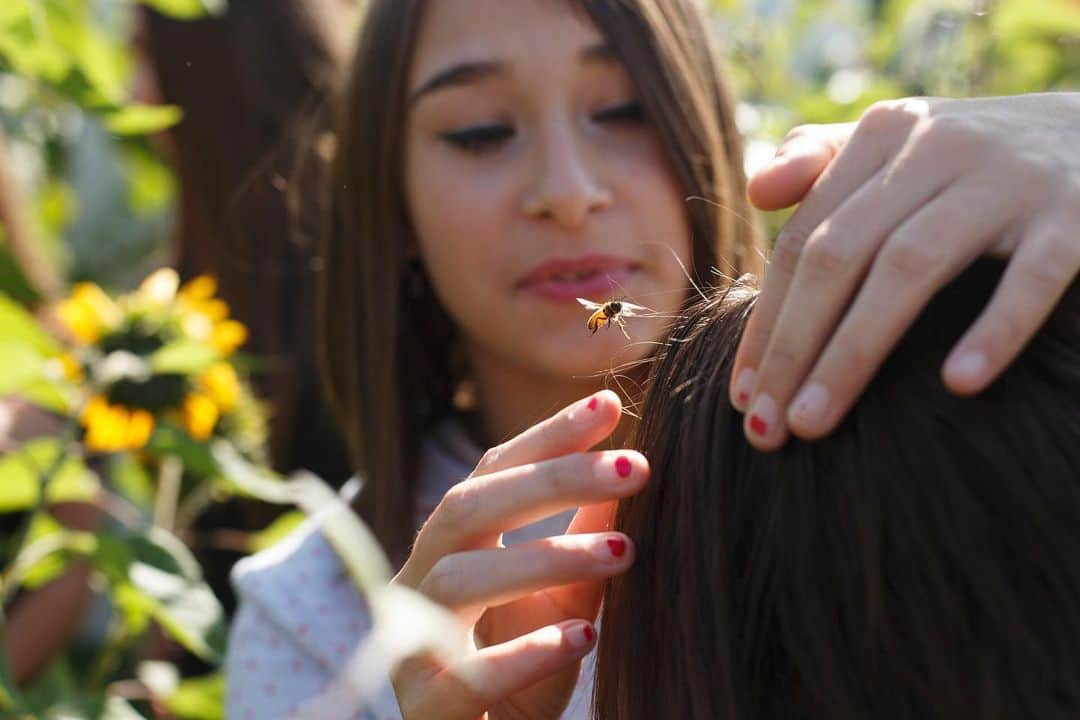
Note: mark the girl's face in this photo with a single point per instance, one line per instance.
(533, 178)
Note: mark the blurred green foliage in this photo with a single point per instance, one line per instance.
(77, 143)
(822, 61)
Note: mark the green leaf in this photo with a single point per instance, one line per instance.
(275, 531)
(23, 366)
(19, 326)
(143, 119)
(13, 281)
(185, 357)
(151, 184)
(58, 680)
(201, 698)
(21, 472)
(32, 56)
(27, 374)
(134, 606)
(131, 480)
(164, 582)
(171, 440)
(100, 69)
(52, 565)
(14, 11)
(186, 9)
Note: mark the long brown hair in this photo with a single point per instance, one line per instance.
(921, 562)
(254, 84)
(389, 354)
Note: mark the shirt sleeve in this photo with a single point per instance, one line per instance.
(299, 621)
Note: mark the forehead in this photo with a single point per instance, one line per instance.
(516, 31)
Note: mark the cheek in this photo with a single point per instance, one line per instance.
(457, 220)
(661, 212)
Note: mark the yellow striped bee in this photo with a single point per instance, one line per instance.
(610, 313)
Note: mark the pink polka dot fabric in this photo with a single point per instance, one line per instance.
(300, 619)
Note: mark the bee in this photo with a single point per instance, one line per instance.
(610, 313)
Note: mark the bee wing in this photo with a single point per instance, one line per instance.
(631, 310)
(589, 304)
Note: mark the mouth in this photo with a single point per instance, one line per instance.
(596, 277)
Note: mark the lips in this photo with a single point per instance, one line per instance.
(595, 277)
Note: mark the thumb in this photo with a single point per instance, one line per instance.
(801, 158)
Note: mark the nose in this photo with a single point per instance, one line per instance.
(566, 186)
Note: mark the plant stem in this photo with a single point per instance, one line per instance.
(168, 492)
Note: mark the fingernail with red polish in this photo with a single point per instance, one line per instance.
(744, 385)
(582, 635)
(617, 546)
(762, 415)
(623, 466)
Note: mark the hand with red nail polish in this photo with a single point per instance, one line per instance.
(892, 207)
(506, 593)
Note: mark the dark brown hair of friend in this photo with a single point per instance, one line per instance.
(923, 561)
(390, 352)
(254, 84)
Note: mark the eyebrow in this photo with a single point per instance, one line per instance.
(471, 72)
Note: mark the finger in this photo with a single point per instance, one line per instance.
(583, 599)
(861, 159)
(1044, 266)
(594, 518)
(799, 161)
(831, 268)
(486, 678)
(473, 513)
(575, 428)
(479, 579)
(913, 264)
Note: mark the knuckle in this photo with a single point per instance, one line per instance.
(488, 460)
(1002, 328)
(826, 255)
(782, 360)
(444, 582)
(1048, 275)
(458, 505)
(913, 260)
(852, 358)
(885, 116)
(947, 128)
(787, 250)
(800, 132)
(559, 479)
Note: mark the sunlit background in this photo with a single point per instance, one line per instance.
(87, 196)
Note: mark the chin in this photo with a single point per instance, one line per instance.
(583, 356)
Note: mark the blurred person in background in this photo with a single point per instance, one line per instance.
(252, 83)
